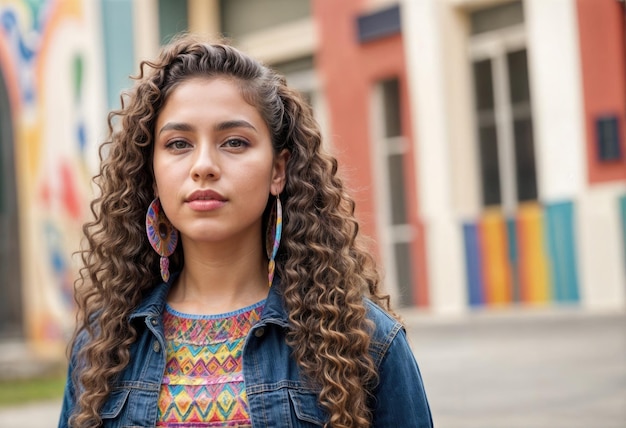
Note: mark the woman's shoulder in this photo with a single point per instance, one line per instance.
(383, 319)
(385, 330)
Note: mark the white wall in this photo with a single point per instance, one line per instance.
(601, 250)
(557, 102)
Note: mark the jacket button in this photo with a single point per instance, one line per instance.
(154, 321)
(156, 347)
(259, 332)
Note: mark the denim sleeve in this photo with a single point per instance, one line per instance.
(68, 401)
(400, 398)
(69, 396)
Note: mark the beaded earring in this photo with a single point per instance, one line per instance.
(162, 235)
(272, 237)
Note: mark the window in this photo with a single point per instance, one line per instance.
(390, 154)
(504, 122)
(300, 75)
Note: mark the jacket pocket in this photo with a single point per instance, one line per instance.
(306, 408)
(114, 404)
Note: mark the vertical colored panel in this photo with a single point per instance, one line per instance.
(513, 259)
(497, 272)
(473, 265)
(533, 263)
(562, 246)
(622, 211)
(117, 25)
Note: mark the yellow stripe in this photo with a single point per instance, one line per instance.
(533, 255)
(496, 266)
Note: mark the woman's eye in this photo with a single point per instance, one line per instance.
(178, 144)
(235, 143)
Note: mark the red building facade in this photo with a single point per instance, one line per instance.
(351, 65)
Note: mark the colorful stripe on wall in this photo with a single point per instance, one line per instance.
(514, 259)
(533, 263)
(529, 258)
(496, 264)
(562, 245)
(473, 265)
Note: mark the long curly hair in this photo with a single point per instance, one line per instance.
(325, 271)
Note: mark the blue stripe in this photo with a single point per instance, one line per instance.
(561, 242)
(511, 228)
(476, 294)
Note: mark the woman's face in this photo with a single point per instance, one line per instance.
(214, 165)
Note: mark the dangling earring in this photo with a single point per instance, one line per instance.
(162, 235)
(272, 237)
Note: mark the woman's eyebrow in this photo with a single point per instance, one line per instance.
(222, 126)
(176, 126)
(230, 124)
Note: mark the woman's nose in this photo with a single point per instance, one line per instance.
(206, 164)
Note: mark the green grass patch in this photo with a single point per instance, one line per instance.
(28, 390)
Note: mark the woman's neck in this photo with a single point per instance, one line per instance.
(220, 279)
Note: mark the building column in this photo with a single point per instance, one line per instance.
(145, 29)
(423, 39)
(556, 84)
(204, 17)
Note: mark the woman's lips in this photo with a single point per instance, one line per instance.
(206, 200)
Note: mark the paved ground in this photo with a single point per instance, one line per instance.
(553, 368)
(38, 415)
(539, 369)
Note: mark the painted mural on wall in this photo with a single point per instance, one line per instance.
(50, 61)
(528, 258)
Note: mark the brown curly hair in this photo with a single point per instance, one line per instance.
(325, 272)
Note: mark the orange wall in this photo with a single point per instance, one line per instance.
(603, 53)
(349, 71)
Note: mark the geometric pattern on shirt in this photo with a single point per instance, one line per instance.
(203, 383)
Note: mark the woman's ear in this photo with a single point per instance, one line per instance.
(279, 172)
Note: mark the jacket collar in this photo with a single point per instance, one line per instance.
(274, 307)
(154, 302)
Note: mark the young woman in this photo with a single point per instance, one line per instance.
(214, 185)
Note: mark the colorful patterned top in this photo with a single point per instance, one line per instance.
(203, 384)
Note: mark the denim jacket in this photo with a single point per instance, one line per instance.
(277, 394)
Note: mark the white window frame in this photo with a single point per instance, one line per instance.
(495, 45)
(388, 234)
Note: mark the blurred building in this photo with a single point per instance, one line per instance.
(484, 140)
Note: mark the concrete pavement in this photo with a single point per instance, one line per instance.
(526, 368)
(36, 415)
(541, 368)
